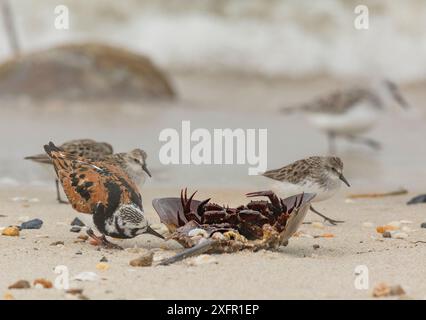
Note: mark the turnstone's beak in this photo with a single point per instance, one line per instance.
(342, 177)
(146, 170)
(153, 232)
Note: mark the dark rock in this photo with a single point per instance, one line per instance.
(79, 253)
(77, 222)
(57, 243)
(423, 225)
(316, 246)
(74, 291)
(104, 259)
(418, 199)
(387, 234)
(32, 224)
(75, 229)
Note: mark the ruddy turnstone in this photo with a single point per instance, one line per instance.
(104, 190)
(319, 175)
(86, 148)
(351, 112)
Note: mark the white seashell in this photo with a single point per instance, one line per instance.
(406, 229)
(218, 236)
(349, 201)
(306, 235)
(368, 224)
(406, 221)
(159, 227)
(19, 199)
(42, 236)
(34, 200)
(86, 276)
(201, 259)
(198, 232)
(318, 225)
(400, 235)
(395, 224)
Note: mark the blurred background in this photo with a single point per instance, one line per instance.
(125, 70)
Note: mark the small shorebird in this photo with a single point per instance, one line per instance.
(86, 148)
(351, 112)
(319, 175)
(134, 163)
(103, 190)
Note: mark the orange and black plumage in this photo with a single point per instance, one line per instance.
(103, 189)
(85, 148)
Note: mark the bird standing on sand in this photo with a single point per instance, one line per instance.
(103, 190)
(133, 162)
(86, 148)
(320, 175)
(351, 112)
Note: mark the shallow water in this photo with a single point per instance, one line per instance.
(25, 127)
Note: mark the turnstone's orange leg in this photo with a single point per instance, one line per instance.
(58, 193)
(103, 241)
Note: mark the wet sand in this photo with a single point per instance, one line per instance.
(213, 101)
(295, 271)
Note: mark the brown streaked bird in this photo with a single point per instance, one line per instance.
(134, 163)
(103, 190)
(320, 175)
(86, 148)
(350, 112)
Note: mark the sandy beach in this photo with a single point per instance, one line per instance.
(297, 271)
(127, 73)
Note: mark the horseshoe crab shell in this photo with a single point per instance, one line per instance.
(168, 208)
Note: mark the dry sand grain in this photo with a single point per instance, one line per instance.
(295, 271)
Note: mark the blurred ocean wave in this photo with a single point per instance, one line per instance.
(293, 39)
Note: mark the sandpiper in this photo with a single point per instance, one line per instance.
(134, 163)
(86, 148)
(103, 190)
(319, 175)
(351, 112)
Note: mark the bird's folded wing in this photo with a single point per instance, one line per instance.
(86, 183)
